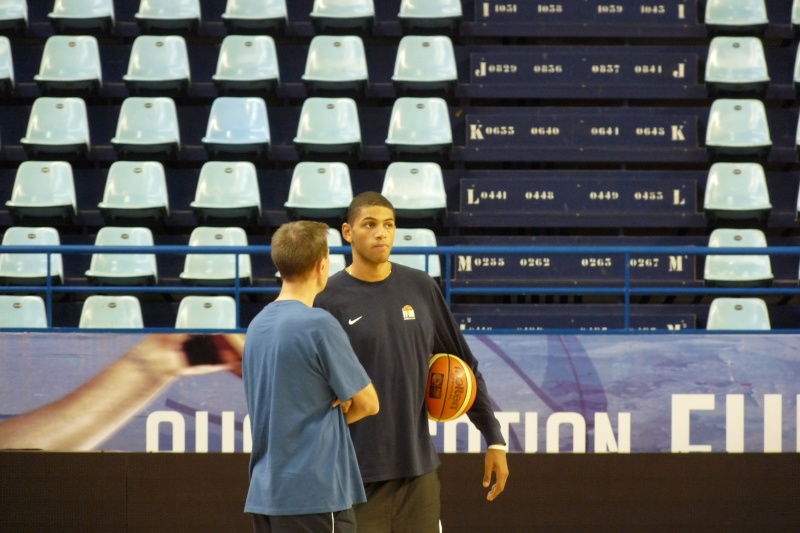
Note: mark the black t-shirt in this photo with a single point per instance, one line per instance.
(394, 326)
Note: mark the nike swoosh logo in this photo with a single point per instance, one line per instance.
(354, 320)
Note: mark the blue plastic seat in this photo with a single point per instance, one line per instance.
(123, 269)
(227, 191)
(736, 17)
(7, 82)
(738, 314)
(247, 65)
(342, 16)
(424, 64)
(238, 128)
(419, 128)
(737, 129)
(147, 128)
(216, 269)
(169, 17)
(254, 16)
(111, 312)
(319, 190)
(135, 191)
(328, 129)
(43, 190)
(57, 128)
(417, 237)
(206, 312)
(22, 312)
(429, 16)
(81, 16)
(416, 190)
(736, 192)
(30, 269)
(336, 64)
(736, 66)
(158, 65)
(13, 16)
(738, 270)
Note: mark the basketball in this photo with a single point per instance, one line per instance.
(451, 387)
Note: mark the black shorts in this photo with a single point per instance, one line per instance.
(408, 505)
(338, 522)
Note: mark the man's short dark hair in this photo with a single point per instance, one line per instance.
(366, 199)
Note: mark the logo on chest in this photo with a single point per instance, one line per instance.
(408, 313)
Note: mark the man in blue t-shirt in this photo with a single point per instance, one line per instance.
(303, 385)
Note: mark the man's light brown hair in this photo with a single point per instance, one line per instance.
(298, 246)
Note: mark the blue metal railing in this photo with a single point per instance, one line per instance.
(622, 288)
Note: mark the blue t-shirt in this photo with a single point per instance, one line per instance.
(297, 361)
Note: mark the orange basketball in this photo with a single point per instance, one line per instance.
(451, 387)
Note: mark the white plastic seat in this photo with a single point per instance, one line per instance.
(147, 127)
(123, 269)
(737, 128)
(30, 269)
(111, 312)
(796, 75)
(57, 127)
(238, 128)
(336, 63)
(70, 66)
(328, 127)
(43, 190)
(227, 190)
(426, 16)
(342, 16)
(169, 17)
(247, 64)
(319, 190)
(736, 191)
(80, 16)
(206, 312)
(13, 15)
(736, 65)
(23, 312)
(337, 261)
(417, 237)
(738, 314)
(158, 65)
(736, 17)
(738, 270)
(7, 82)
(254, 16)
(424, 63)
(419, 126)
(796, 16)
(135, 190)
(416, 190)
(216, 269)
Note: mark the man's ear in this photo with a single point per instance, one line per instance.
(346, 232)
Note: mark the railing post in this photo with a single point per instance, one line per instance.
(627, 292)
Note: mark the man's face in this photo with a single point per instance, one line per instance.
(372, 234)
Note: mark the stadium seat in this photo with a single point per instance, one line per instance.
(6, 67)
(247, 65)
(123, 269)
(429, 16)
(57, 127)
(81, 16)
(158, 65)
(736, 192)
(111, 312)
(23, 312)
(30, 269)
(419, 127)
(736, 17)
(254, 16)
(43, 190)
(342, 16)
(737, 129)
(238, 128)
(26, 312)
(13, 16)
(227, 191)
(736, 66)
(70, 66)
(796, 75)
(738, 270)
(206, 312)
(328, 128)
(416, 190)
(796, 16)
(171, 17)
(216, 269)
(147, 128)
(337, 261)
(319, 190)
(418, 237)
(424, 64)
(740, 314)
(336, 64)
(135, 191)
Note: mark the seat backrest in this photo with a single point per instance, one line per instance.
(429, 8)
(238, 120)
(123, 265)
(206, 312)
(111, 312)
(174, 9)
(419, 121)
(736, 186)
(135, 185)
(156, 57)
(216, 266)
(225, 184)
(737, 267)
(737, 122)
(736, 13)
(337, 260)
(328, 121)
(58, 121)
(343, 9)
(255, 9)
(320, 185)
(421, 237)
(70, 58)
(738, 314)
(425, 58)
(414, 186)
(336, 58)
(43, 184)
(31, 265)
(6, 61)
(14, 10)
(145, 120)
(796, 13)
(736, 60)
(247, 57)
(82, 9)
(22, 312)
